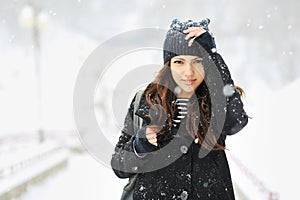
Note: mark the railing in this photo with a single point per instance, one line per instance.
(19, 162)
(267, 193)
(23, 158)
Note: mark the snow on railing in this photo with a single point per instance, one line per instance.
(267, 193)
(17, 141)
(15, 161)
(24, 159)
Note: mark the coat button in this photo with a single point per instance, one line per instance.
(184, 195)
(135, 169)
(184, 149)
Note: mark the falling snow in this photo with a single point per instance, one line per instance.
(246, 61)
(228, 90)
(51, 12)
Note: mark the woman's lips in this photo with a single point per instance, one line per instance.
(189, 82)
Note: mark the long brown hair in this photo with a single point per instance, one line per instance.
(162, 92)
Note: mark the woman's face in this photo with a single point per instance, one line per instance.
(188, 73)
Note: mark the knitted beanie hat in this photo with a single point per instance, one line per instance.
(175, 43)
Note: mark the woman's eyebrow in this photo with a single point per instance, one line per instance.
(180, 58)
(198, 58)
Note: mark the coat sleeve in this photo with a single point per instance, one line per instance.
(236, 118)
(125, 162)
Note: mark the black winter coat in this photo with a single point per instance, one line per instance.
(179, 172)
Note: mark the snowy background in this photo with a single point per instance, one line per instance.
(258, 40)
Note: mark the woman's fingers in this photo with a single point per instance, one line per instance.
(151, 134)
(193, 32)
(190, 35)
(153, 141)
(152, 138)
(154, 128)
(194, 29)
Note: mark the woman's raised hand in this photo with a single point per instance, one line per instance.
(192, 33)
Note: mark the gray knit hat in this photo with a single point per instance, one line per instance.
(175, 43)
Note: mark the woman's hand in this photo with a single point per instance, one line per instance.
(151, 133)
(192, 33)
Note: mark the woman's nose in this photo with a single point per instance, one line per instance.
(189, 69)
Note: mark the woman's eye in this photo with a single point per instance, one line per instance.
(178, 62)
(198, 61)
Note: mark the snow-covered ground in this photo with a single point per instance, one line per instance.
(268, 145)
(83, 178)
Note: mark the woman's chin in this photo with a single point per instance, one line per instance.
(186, 93)
(188, 89)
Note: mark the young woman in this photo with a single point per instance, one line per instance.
(187, 112)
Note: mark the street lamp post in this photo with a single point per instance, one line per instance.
(32, 17)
